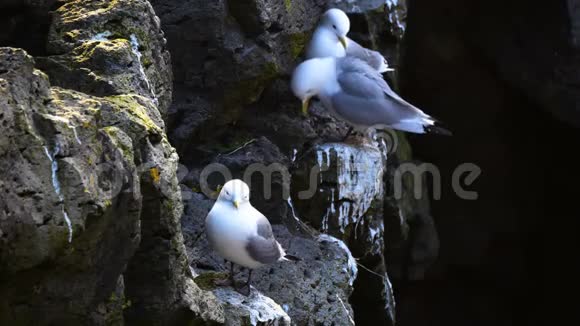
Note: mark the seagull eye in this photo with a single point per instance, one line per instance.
(227, 193)
(334, 26)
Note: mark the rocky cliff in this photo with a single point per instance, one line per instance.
(113, 113)
(233, 109)
(90, 199)
(92, 205)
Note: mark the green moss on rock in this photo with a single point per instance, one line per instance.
(114, 50)
(125, 148)
(206, 281)
(130, 104)
(297, 43)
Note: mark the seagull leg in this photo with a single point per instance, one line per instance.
(245, 289)
(232, 273)
(249, 277)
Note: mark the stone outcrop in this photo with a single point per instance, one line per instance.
(233, 107)
(105, 48)
(89, 186)
(72, 192)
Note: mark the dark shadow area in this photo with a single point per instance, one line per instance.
(504, 78)
(25, 26)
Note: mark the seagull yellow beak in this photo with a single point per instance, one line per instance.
(305, 104)
(342, 40)
(237, 203)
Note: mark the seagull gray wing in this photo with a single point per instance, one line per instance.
(371, 57)
(366, 98)
(263, 247)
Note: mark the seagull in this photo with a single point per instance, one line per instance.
(330, 40)
(356, 93)
(240, 233)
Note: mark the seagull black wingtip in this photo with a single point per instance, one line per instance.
(292, 258)
(437, 130)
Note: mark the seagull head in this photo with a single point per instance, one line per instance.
(235, 192)
(310, 77)
(337, 21)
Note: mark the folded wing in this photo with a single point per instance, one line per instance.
(366, 99)
(263, 247)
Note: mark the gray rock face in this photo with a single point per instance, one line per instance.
(90, 202)
(346, 199)
(233, 106)
(89, 186)
(225, 54)
(349, 185)
(256, 309)
(121, 49)
(71, 181)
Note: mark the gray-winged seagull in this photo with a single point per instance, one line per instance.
(240, 233)
(357, 94)
(330, 40)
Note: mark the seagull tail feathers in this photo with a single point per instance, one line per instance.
(437, 128)
(422, 126)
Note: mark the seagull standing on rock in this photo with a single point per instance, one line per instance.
(240, 233)
(356, 93)
(330, 40)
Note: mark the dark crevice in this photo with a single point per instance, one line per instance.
(25, 27)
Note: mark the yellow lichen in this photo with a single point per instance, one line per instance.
(130, 104)
(116, 48)
(79, 10)
(73, 34)
(154, 172)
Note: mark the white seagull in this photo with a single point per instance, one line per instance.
(240, 233)
(356, 93)
(330, 40)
